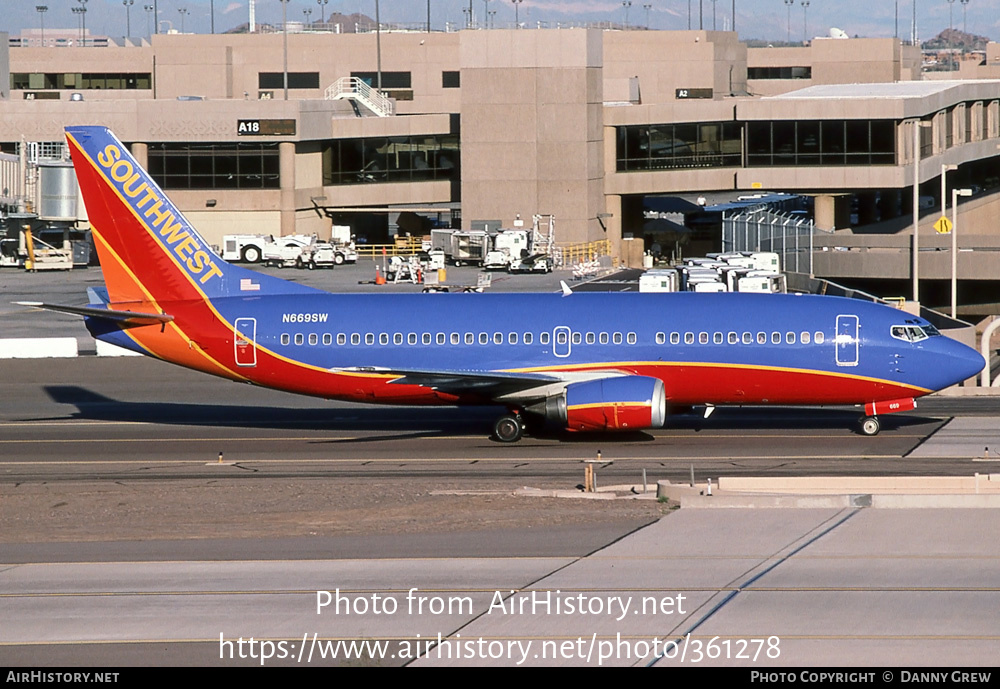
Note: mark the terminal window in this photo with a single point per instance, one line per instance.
(296, 80)
(821, 142)
(80, 81)
(215, 166)
(392, 159)
(679, 146)
(779, 72)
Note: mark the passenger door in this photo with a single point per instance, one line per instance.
(244, 337)
(847, 340)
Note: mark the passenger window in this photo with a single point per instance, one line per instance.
(804, 337)
(747, 338)
(544, 338)
(561, 337)
(616, 338)
(528, 338)
(819, 337)
(285, 339)
(425, 338)
(702, 338)
(631, 338)
(734, 338)
(717, 338)
(790, 338)
(456, 339)
(355, 339)
(688, 338)
(369, 338)
(484, 338)
(512, 338)
(383, 338)
(591, 338)
(660, 338)
(497, 338)
(470, 338)
(313, 339)
(604, 338)
(299, 339)
(577, 338)
(397, 338)
(411, 339)
(761, 338)
(775, 338)
(327, 339)
(341, 339)
(675, 338)
(441, 338)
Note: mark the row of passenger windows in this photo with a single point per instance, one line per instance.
(746, 338)
(562, 337)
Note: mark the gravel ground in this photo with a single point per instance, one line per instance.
(189, 509)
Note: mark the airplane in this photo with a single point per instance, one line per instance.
(578, 361)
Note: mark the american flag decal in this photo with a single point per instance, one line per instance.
(248, 285)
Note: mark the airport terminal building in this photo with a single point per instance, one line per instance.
(584, 124)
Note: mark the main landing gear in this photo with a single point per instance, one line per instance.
(869, 425)
(509, 428)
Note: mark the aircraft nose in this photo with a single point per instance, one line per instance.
(966, 362)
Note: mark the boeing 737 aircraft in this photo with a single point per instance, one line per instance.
(581, 361)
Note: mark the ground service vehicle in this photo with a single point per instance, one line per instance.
(577, 361)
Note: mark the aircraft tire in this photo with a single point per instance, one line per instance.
(508, 429)
(870, 425)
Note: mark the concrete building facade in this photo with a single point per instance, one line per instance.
(583, 124)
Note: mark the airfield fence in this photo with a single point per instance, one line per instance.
(760, 229)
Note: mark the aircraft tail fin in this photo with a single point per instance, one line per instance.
(149, 252)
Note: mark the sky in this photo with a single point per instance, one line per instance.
(755, 19)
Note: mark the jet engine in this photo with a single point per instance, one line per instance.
(619, 403)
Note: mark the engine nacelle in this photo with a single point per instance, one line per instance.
(619, 403)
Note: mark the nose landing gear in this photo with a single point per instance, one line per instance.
(869, 425)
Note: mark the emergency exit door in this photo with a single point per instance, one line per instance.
(245, 334)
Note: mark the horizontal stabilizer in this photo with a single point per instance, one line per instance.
(127, 319)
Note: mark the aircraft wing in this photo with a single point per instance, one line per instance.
(126, 319)
(497, 385)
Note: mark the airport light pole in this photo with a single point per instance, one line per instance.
(944, 187)
(647, 7)
(83, 16)
(626, 4)
(284, 49)
(307, 12)
(517, 19)
(148, 9)
(79, 12)
(788, 29)
(183, 12)
(965, 26)
(42, 9)
(714, 27)
(128, 18)
(955, 193)
(805, 20)
(951, 36)
(322, 10)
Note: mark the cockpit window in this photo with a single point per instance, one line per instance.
(911, 333)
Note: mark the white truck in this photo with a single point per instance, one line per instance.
(248, 248)
(507, 246)
(342, 241)
(286, 251)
